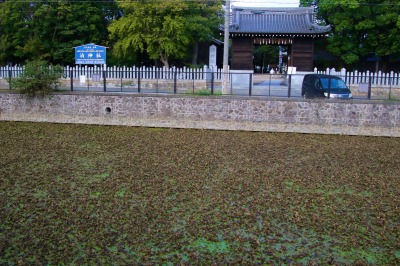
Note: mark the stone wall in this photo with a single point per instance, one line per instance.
(212, 112)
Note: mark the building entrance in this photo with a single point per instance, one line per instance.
(294, 28)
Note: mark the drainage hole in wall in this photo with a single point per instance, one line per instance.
(108, 110)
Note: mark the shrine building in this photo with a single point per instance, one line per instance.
(296, 28)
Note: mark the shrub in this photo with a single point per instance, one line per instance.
(38, 79)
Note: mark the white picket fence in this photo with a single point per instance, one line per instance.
(357, 77)
(203, 73)
(124, 72)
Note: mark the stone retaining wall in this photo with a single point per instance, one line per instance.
(224, 113)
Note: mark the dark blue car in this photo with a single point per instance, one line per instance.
(324, 86)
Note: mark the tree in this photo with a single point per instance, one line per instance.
(38, 79)
(163, 29)
(49, 30)
(203, 22)
(362, 27)
(265, 55)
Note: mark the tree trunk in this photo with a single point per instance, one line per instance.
(195, 54)
(163, 59)
(165, 62)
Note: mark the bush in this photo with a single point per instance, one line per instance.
(38, 79)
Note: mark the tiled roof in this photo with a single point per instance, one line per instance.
(276, 21)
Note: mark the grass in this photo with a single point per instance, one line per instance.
(204, 92)
(78, 194)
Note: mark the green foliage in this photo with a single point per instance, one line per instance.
(266, 54)
(49, 30)
(163, 29)
(38, 78)
(205, 92)
(168, 30)
(362, 27)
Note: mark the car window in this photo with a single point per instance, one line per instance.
(335, 83)
(318, 84)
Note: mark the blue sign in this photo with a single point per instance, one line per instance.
(90, 54)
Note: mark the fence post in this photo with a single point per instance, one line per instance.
(390, 87)
(72, 79)
(212, 82)
(329, 88)
(369, 87)
(9, 77)
(269, 84)
(175, 78)
(290, 84)
(123, 71)
(104, 81)
(138, 82)
(250, 83)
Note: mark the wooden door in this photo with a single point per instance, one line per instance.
(242, 53)
(302, 52)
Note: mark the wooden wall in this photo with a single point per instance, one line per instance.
(302, 52)
(242, 53)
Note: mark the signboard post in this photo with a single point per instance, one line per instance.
(91, 54)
